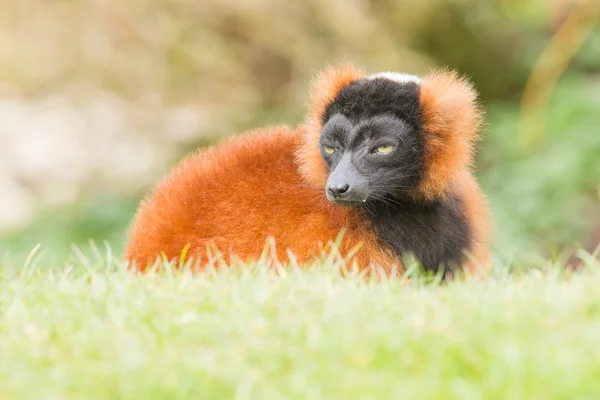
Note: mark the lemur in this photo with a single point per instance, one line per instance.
(385, 158)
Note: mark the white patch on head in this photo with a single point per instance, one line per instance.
(396, 77)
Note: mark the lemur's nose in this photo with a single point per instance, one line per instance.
(337, 191)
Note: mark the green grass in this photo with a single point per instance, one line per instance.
(94, 331)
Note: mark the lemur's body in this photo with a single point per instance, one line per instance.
(385, 157)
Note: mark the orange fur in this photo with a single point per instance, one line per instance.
(451, 119)
(238, 194)
(480, 223)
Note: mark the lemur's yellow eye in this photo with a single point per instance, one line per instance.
(385, 149)
(328, 150)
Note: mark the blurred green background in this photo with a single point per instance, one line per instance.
(99, 98)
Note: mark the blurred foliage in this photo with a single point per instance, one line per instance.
(96, 220)
(248, 62)
(546, 198)
(247, 57)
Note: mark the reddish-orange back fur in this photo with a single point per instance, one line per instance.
(236, 195)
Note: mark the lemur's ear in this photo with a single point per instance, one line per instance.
(451, 120)
(324, 89)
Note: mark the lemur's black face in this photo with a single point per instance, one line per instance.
(371, 141)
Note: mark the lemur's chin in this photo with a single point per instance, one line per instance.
(348, 203)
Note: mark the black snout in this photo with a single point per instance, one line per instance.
(337, 190)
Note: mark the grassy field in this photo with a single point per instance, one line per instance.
(75, 325)
(92, 330)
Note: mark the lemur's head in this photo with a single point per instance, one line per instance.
(388, 135)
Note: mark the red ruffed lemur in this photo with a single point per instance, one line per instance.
(385, 158)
